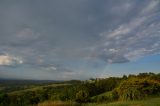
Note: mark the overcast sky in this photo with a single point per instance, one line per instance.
(78, 39)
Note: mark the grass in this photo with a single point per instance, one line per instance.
(36, 88)
(57, 103)
(146, 102)
(102, 94)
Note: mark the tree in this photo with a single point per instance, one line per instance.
(124, 77)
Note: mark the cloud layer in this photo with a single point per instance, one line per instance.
(59, 36)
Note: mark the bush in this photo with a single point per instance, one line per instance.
(101, 99)
(4, 99)
(106, 97)
(137, 88)
(82, 96)
(131, 94)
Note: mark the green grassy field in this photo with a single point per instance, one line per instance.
(36, 88)
(146, 102)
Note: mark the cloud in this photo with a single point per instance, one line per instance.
(26, 34)
(151, 6)
(124, 29)
(51, 68)
(132, 39)
(6, 60)
(137, 53)
(58, 37)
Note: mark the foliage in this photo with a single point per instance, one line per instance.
(105, 97)
(4, 99)
(137, 88)
(82, 96)
(98, 90)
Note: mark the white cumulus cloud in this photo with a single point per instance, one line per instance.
(7, 60)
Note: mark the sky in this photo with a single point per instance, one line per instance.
(78, 39)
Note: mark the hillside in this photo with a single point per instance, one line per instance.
(131, 90)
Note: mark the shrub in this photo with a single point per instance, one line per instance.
(82, 96)
(106, 97)
(137, 88)
(4, 99)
